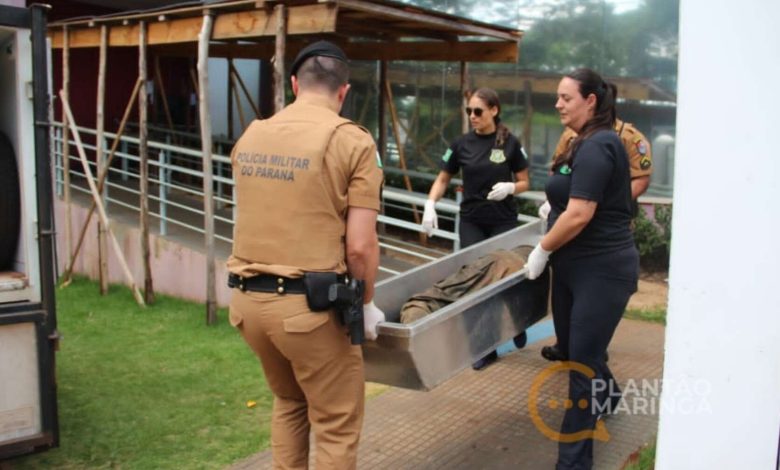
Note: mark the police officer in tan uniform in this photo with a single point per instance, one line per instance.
(639, 155)
(308, 187)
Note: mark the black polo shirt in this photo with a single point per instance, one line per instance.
(599, 172)
(483, 166)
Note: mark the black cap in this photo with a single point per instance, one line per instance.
(321, 49)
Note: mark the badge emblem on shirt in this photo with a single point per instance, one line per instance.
(645, 163)
(641, 147)
(497, 156)
(447, 155)
(564, 169)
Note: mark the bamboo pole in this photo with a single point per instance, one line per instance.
(238, 103)
(208, 189)
(248, 95)
(100, 163)
(143, 155)
(464, 92)
(529, 114)
(99, 202)
(281, 44)
(399, 144)
(101, 182)
(66, 142)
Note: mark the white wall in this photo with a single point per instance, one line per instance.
(723, 331)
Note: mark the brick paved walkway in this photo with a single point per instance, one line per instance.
(481, 420)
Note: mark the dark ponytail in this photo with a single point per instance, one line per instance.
(490, 97)
(604, 115)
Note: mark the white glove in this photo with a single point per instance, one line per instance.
(544, 210)
(501, 191)
(430, 220)
(537, 260)
(371, 317)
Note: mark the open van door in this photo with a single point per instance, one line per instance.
(28, 334)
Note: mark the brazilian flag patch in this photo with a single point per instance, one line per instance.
(378, 159)
(447, 155)
(564, 169)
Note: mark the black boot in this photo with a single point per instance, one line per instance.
(552, 353)
(485, 361)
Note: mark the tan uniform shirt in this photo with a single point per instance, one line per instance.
(639, 154)
(296, 175)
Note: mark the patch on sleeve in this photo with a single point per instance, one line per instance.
(525, 155)
(378, 159)
(447, 155)
(645, 162)
(641, 147)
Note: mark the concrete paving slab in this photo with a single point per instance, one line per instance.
(481, 420)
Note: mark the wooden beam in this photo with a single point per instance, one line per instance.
(66, 146)
(143, 155)
(208, 187)
(304, 19)
(100, 159)
(491, 51)
(99, 203)
(425, 20)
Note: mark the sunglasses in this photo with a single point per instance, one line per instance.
(477, 111)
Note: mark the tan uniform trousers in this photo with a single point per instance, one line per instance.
(316, 377)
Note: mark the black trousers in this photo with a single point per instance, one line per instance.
(474, 232)
(589, 296)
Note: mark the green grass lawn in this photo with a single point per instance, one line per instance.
(644, 460)
(151, 388)
(653, 315)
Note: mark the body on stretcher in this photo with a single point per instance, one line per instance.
(425, 353)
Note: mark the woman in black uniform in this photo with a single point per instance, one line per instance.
(494, 168)
(595, 263)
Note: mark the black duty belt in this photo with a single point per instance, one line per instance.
(269, 283)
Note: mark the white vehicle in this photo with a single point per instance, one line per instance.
(28, 335)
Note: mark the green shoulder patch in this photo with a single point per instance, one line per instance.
(447, 155)
(378, 159)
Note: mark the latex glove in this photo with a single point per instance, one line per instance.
(537, 260)
(371, 317)
(500, 191)
(544, 210)
(430, 220)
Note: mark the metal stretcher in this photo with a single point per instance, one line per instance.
(423, 354)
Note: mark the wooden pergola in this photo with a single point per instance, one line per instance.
(378, 30)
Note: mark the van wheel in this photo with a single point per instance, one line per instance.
(10, 211)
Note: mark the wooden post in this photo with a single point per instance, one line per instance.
(230, 99)
(205, 135)
(464, 91)
(237, 97)
(66, 141)
(99, 202)
(100, 163)
(527, 121)
(281, 45)
(143, 155)
(101, 182)
(255, 109)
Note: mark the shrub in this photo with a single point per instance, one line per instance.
(653, 238)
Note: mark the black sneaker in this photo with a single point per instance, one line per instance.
(520, 340)
(485, 361)
(552, 353)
